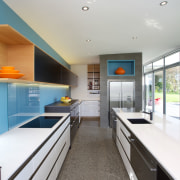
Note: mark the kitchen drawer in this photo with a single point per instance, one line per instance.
(48, 164)
(131, 173)
(38, 158)
(124, 135)
(26, 172)
(124, 130)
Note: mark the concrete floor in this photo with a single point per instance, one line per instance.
(93, 156)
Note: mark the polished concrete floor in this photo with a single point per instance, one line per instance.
(93, 156)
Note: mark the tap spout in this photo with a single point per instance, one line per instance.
(150, 113)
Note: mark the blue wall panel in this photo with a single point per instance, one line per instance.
(3, 108)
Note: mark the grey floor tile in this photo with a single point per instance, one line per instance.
(93, 156)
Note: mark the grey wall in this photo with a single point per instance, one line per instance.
(104, 121)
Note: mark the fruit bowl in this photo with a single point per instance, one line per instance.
(66, 100)
(10, 72)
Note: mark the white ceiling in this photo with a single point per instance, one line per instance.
(109, 24)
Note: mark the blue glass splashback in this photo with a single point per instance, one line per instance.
(23, 103)
(3, 108)
(50, 94)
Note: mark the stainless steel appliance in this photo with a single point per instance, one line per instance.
(114, 122)
(143, 163)
(121, 95)
(72, 108)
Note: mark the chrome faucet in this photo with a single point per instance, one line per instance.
(150, 113)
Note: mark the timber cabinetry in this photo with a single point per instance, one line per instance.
(36, 65)
(93, 76)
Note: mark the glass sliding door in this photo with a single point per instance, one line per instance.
(173, 92)
(158, 95)
(149, 92)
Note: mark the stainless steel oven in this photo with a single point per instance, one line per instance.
(74, 119)
(143, 163)
(72, 108)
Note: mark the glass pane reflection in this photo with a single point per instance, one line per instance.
(173, 92)
(23, 103)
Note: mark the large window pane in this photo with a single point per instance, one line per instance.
(158, 100)
(148, 90)
(158, 64)
(173, 92)
(148, 68)
(174, 58)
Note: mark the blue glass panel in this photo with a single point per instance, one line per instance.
(23, 103)
(50, 94)
(3, 108)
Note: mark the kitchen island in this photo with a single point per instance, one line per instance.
(24, 152)
(161, 138)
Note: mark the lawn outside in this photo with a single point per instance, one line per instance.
(169, 97)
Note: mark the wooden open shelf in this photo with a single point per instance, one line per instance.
(18, 51)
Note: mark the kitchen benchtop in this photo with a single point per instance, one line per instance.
(161, 138)
(18, 144)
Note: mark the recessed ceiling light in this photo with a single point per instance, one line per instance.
(88, 40)
(85, 8)
(134, 38)
(163, 3)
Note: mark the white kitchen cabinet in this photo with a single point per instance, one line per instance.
(90, 109)
(123, 145)
(47, 161)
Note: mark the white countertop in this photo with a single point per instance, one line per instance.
(18, 144)
(161, 138)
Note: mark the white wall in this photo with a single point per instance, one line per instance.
(81, 91)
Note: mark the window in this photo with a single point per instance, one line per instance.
(174, 58)
(148, 68)
(158, 98)
(158, 64)
(173, 91)
(148, 91)
(162, 85)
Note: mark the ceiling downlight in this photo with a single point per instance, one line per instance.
(85, 8)
(163, 3)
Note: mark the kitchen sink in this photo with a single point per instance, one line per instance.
(138, 121)
(42, 122)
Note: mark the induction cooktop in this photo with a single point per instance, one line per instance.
(42, 122)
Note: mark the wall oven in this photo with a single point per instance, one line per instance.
(72, 108)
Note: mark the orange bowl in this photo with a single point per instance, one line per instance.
(7, 67)
(11, 75)
(9, 71)
(120, 71)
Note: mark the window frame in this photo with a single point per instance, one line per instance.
(163, 68)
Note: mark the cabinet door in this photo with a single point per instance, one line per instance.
(46, 68)
(90, 108)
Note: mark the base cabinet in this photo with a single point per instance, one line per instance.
(47, 162)
(90, 109)
(122, 135)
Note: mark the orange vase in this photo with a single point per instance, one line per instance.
(120, 71)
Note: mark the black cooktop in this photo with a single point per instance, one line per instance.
(42, 122)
